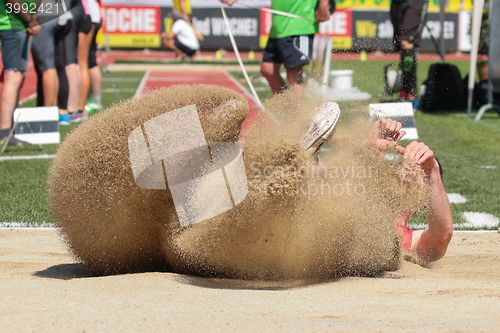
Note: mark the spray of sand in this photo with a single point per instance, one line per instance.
(109, 223)
(298, 222)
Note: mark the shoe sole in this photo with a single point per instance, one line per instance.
(322, 126)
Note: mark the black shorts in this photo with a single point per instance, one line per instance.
(293, 51)
(183, 48)
(93, 46)
(85, 25)
(406, 17)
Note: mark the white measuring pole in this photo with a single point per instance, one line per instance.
(328, 61)
(242, 66)
(281, 13)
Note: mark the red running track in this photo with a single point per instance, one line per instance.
(162, 79)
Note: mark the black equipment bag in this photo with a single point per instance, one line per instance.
(443, 89)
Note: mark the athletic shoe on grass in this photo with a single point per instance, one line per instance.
(322, 127)
(77, 117)
(64, 119)
(92, 107)
(4, 135)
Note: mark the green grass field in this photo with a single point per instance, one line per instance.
(469, 151)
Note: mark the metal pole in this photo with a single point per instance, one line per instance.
(328, 61)
(441, 30)
(477, 15)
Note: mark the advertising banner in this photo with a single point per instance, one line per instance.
(374, 31)
(451, 6)
(245, 25)
(368, 27)
(133, 26)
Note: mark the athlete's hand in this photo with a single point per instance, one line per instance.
(421, 154)
(228, 2)
(323, 12)
(386, 134)
(33, 27)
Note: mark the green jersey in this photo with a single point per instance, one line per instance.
(284, 26)
(9, 20)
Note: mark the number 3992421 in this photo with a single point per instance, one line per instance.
(45, 7)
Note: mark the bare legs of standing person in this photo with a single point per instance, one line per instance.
(73, 74)
(271, 71)
(10, 95)
(84, 42)
(50, 87)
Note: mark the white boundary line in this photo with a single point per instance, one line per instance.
(242, 87)
(53, 226)
(26, 157)
(140, 88)
(29, 98)
(27, 226)
(476, 231)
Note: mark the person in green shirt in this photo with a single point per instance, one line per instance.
(291, 39)
(17, 22)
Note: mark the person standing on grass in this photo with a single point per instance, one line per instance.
(87, 60)
(15, 28)
(406, 18)
(291, 40)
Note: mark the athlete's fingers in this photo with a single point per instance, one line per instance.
(401, 150)
(419, 153)
(415, 150)
(400, 135)
(393, 125)
(425, 157)
(398, 126)
(381, 124)
(410, 149)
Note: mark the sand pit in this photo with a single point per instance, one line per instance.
(44, 290)
(293, 224)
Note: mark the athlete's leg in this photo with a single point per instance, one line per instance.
(294, 75)
(271, 71)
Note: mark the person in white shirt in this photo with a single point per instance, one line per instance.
(182, 38)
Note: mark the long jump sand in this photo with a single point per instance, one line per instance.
(43, 290)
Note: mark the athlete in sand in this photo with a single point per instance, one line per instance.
(431, 243)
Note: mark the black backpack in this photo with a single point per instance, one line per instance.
(443, 89)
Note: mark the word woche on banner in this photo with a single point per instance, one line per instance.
(452, 6)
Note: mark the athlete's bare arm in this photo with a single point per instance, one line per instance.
(430, 244)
